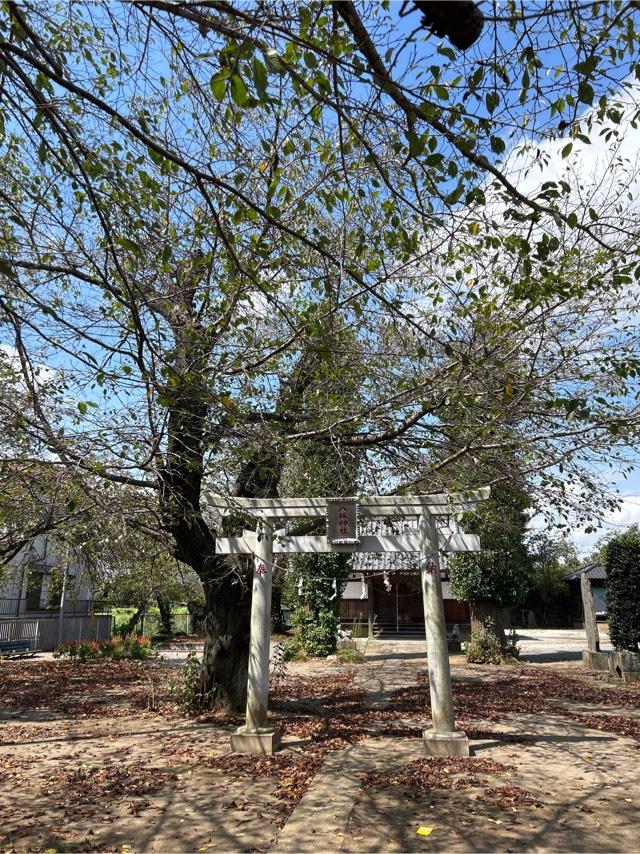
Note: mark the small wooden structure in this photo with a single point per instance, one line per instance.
(343, 535)
(596, 574)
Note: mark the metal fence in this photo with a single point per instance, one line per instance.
(151, 624)
(83, 619)
(19, 608)
(46, 632)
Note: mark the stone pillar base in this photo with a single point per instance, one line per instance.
(264, 741)
(625, 665)
(445, 743)
(594, 660)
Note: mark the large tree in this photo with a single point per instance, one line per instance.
(192, 193)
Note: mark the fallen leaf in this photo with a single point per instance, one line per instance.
(424, 831)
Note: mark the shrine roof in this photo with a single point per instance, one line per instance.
(594, 572)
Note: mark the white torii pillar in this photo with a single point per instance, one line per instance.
(442, 739)
(256, 736)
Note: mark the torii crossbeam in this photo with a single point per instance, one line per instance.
(342, 515)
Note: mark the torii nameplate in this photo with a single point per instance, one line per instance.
(342, 521)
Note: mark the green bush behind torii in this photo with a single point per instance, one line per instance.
(623, 590)
(315, 613)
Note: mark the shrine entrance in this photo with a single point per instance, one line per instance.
(435, 531)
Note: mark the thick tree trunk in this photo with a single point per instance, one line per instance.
(166, 618)
(135, 619)
(480, 611)
(223, 677)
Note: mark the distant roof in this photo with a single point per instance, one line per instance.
(594, 572)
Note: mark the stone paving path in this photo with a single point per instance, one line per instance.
(321, 820)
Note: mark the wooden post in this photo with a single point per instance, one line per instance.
(370, 608)
(256, 736)
(442, 739)
(590, 624)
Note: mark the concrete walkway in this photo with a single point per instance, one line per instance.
(537, 646)
(543, 646)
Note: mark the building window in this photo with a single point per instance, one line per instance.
(34, 590)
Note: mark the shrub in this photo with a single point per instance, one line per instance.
(623, 590)
(315, 607)
(136, 647)
(116, 648)
(485, 647)
(185, 690)
(78, 650)
(315, 634)
(293, 651)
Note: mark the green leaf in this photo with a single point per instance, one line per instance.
(273, 61)
(218, 85)
(128, 244)
(417, 144)
(587, 66)
(238, 90)
(260, 78)
(492, 100)
(585, 92)
(455, 195)
(497, 144)
(566, 151)
(446, 51)
(82, 406)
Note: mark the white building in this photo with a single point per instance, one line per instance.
(46, 596)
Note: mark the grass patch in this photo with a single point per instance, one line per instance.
(350, 656)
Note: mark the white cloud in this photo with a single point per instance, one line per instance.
(613, 523)
(603, 174)
(43, 374)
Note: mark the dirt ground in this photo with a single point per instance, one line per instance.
(86, 764)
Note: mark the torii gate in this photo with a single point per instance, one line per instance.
(342, 515)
